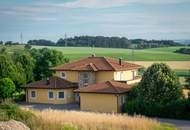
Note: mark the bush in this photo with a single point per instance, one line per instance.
(7, 88)
(12, 111)
(179, 109)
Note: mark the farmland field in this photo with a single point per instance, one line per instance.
(154, 54)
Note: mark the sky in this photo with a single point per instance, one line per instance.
(51, 19)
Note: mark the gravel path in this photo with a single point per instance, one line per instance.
(181, 124)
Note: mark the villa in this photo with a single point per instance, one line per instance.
(96, 83)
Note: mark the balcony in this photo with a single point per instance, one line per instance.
(136, 79)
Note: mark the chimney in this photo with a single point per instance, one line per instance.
(120, 59)
(47, 81)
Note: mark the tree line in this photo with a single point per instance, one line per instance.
(28, 65)
(183, 51)
(105, 42)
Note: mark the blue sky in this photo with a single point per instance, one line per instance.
(51, 19)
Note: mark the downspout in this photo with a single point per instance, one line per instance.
(118, 109)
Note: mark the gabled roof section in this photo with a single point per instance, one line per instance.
(108, 87)
(96, 64)
(53, 83)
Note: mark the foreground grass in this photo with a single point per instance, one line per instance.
(75, 120)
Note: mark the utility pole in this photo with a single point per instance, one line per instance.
(65, 40)
(21, 39)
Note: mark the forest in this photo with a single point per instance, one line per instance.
(105, 42)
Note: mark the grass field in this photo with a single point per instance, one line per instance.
(154, 54)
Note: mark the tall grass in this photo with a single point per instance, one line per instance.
(74, 120)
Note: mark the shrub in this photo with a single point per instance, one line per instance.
(179, 109)
(12, 111)
(7, 88)
(159, 84)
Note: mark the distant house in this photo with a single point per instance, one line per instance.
(97, 83)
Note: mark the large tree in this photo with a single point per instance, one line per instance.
(45, 59)
(8, 69)
(7, 88)
(25, 63)
(159, 84)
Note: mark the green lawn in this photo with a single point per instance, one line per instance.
(155, 54)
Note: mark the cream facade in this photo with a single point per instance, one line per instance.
(101, 76)
(102, 102)
(45, 96)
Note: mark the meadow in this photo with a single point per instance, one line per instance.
(153, 54)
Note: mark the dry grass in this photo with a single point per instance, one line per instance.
(178, 65)
(55, 120)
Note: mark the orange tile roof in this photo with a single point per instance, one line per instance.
(54, 82)
(96, 64)
(108, 87)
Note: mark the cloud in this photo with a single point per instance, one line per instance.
(114, 3)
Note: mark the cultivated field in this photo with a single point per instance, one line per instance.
(177, 65)
(154, 54)
(143, 57)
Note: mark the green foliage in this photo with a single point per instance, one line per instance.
(183, 51)
(7, 88)
(187, 80)
(167, 127)
(105, 42)
(69, 127)
(27, 47)
(12, 111)
(159, 84)
(25, 63)
(45, 59)
(179, 109)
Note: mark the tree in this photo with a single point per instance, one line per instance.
(187, 80)
(25, 63)
(45, 59)
(159, 84)
(3, 50)
(7, 88)
(27, 47)
(1, 42)
(10, 70)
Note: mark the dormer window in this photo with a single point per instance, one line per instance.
(63, 75)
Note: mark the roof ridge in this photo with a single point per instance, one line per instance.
(109, 82)
(109, 63)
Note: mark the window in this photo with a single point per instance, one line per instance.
(33, 94)
(85, 75)
(85, 79)
(61, 95)
(50, 95)
(119, 75)
(63, 75)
